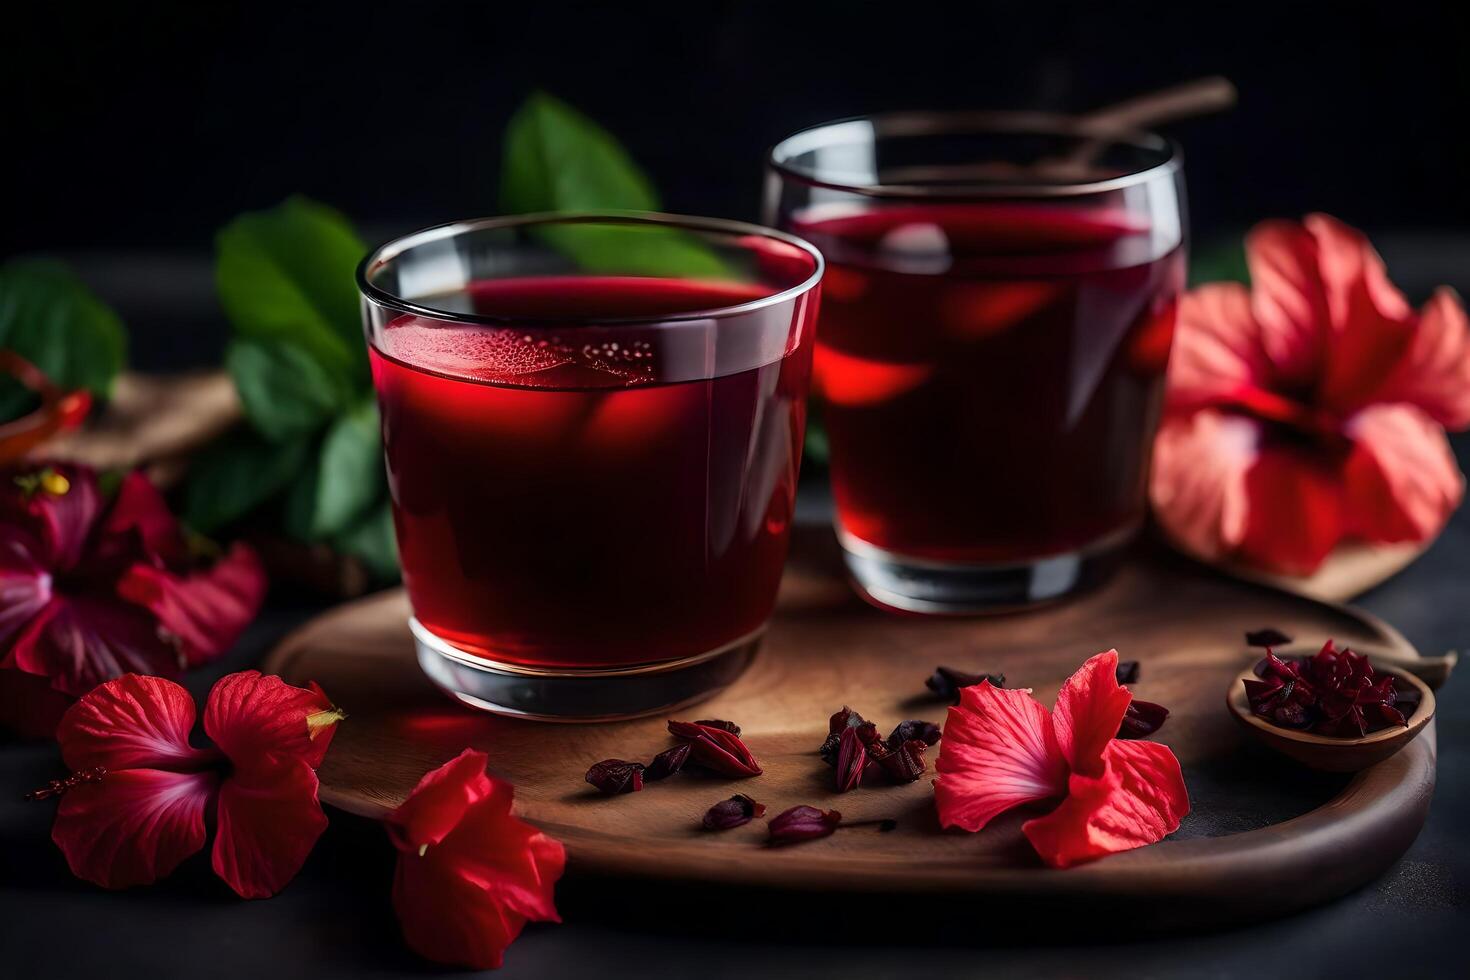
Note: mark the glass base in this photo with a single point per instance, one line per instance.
(593, 694)
(940, 588)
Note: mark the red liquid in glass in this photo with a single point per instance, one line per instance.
(558, 506)
(991, 375)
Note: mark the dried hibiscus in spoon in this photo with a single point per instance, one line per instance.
(1334, 692)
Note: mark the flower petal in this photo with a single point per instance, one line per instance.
(134, 827)
(29, 705)
(1354, 280)
(1434, 372)
(25, 583)
(464, 900)
(1289, 299)
(1217, 347)
(1371, 322)
(62, 521)
(1402, 481)
(140, 514)
(1138, 799)
(1090, 707)
(998, 752)
(269, 820)
(81, 641)
(262, 723)
(1197, 484)
(134, 722)
(441, 799)
(206, 610)
(1297, 509)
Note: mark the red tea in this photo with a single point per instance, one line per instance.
(991, 374)
(559, 504)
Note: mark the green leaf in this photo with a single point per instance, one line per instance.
(284, 390)
(49, 317)
(1219, 261)
(816, 451)
(556, 159)
(287, 275)
(344, 481)
(372, 541)
(236, 475)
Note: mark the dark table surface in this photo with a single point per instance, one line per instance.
(335, 918)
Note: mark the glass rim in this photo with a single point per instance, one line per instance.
(395, 247)
(886, 125)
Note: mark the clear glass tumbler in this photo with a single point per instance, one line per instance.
(592, 425)
(998, 310)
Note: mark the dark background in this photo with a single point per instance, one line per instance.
(133, 132)
(149, 126)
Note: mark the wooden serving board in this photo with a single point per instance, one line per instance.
(1264, 837)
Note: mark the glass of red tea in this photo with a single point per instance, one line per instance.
(997, 314)
(592, 426)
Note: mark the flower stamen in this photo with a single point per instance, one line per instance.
(57, 787)
(46, 480)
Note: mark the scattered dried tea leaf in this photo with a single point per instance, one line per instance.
(802, 823)
(925, 731)
(852, 756)
(668, 762)
(615, 776)
(946, 682)
(905, 763)
(1142, 719)
(727, 814)
(836, 725)
(1127, 672)
(716, 749)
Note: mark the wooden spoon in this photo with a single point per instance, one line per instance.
(1326, 752)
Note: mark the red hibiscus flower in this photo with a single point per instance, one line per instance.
(470, 875)
(1001, 749)
(92, 587)
(1310, 408)
(149, 792)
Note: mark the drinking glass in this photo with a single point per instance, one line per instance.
(592, 426)
(999, 305)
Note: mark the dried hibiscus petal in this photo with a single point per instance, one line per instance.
(1336, 692)
(836, 725)
(727, 814)
(1127, 672)
(728, 726)
(802, 823)
(1267, 637)
(615, 776)
(905, 763)
(716, 749)
(946, 682)
(852, 757)
(667, 762)
(1142, 719)
(925, 731)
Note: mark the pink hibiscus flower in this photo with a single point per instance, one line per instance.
(92, 587)
(1001, 749)
(1311, 407)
